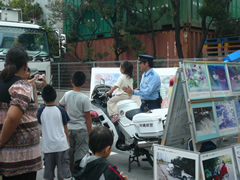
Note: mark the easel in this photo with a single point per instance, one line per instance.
(179, 126)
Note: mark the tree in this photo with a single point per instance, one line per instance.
(144, 19)
(214, 10)
(113, 14)
(176, 17)
(135, 44)
(29, 10)
(228, 26)
(1, 4)
(73, 16)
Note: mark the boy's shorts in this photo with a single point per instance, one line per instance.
(59, 159)
(78, 140)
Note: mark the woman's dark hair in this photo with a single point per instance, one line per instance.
(127, 68)
(99, 138)
(16, 58)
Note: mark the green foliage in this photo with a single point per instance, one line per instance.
(214, 9)
(74, 15)
(29, 9)
(228, 26)
(1, 4)
(135, 44)
(212, 12)
(113, 14)
(90, 56)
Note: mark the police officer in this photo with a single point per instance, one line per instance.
(149, 90)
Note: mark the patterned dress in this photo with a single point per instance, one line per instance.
(21, 154)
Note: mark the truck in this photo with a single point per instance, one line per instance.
(35, 40)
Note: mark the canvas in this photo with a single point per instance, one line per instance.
(218, 164)
(172, 163)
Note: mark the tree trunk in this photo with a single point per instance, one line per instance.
(205, 30)
(116, 39)
(154, 44)
(176, 7)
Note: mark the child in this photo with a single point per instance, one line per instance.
(78, 108)
(55, 146)
(124, 80)
(97, 166)
(35, 84)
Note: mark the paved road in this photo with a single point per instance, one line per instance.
(144, 172)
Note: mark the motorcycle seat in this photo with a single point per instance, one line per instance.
(131, 113)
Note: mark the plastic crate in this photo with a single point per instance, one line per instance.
(213, 54)
(212, 45)
(234, 43)
(231, 39)
(209, 50)
(214, 40)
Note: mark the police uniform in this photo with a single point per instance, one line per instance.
(149, 87)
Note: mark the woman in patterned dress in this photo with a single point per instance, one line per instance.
(20, 154)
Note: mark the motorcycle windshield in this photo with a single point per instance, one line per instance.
(34, 40)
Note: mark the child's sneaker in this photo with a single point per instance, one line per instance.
(115, 118)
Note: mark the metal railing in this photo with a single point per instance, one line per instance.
(62, 72)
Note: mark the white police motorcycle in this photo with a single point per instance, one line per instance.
(135, 132)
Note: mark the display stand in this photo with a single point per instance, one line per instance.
(204, 107)
(177, 131)
(218, 88)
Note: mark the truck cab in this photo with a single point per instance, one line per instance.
(35, 41)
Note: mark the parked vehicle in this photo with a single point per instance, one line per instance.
(178, 172)
(170, 168)
(35, 40)
(135, 132)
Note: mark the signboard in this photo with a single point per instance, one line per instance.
(204, 121)
(234, 76)
(177, 130)
(174, 163)
(218, 80)
(111, 75)
(197, 80)
(204, 104)
(165, 75)
(218, 164)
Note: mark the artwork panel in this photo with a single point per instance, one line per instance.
(218, 164)
(226, 119)
(204, 121)
(218, 80)
(197, 81)
(237, 107)
(234, 76)
(171, 162)
(237, 156)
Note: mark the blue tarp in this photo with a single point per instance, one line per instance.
(233, 57)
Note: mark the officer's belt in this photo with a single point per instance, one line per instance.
(149, 101)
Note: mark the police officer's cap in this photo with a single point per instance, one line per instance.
(145, 58)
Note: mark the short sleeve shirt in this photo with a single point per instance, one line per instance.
(76, 104)
(123, 81)
(53, 119)
(150, 86)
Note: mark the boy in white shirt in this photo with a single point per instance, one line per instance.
(55, 145)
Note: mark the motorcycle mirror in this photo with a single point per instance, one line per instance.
(102, 81)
